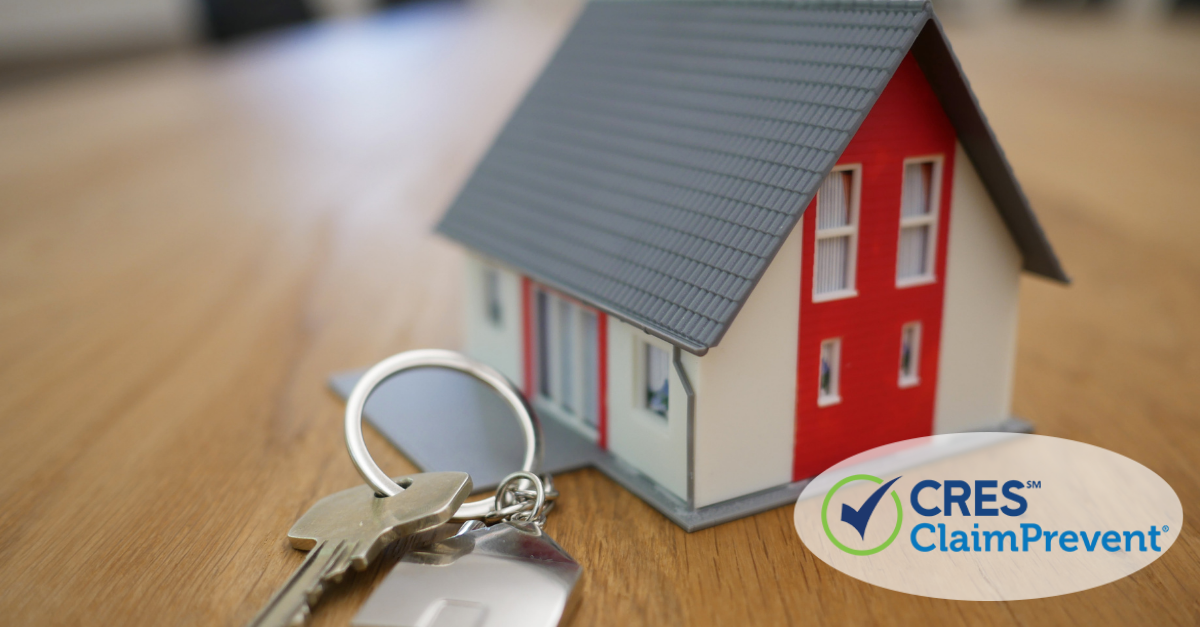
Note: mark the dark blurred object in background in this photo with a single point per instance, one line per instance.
(1191, 7)
(42, 39)
(1069, 4)
(226, 20)
(1163, 6)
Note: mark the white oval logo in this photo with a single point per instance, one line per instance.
(988, 516)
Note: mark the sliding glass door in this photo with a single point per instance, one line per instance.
(567, 353)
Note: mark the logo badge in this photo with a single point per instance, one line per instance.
(988, 516)
(858, 518)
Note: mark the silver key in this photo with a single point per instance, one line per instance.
(350, 528)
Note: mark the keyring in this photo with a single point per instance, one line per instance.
(435, 358)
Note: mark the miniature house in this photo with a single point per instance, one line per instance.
(733, 243)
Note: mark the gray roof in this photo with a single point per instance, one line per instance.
(667, 150)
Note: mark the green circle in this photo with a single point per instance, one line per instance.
(825, 516)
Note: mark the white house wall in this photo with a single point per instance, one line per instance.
(498, 345)
(746, 390)
(979, 323)
(655, 447)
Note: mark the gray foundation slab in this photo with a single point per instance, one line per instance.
(445, 420)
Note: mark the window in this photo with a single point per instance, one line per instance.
(566, 355)
(910, 354)
(543, 342)
(656, 371)
(829, 375)
(491, 296)
(591, 369)
(918, 222)
(837, 235)
(567, 352)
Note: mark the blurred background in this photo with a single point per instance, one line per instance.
(48, 37)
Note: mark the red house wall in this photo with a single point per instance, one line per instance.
(907, 121)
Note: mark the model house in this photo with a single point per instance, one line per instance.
(734, 243)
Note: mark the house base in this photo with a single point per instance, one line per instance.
(445, 420)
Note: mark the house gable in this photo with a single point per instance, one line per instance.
(907, 123)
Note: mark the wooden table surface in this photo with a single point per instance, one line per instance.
(189, 245)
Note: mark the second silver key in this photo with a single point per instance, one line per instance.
(350, 528)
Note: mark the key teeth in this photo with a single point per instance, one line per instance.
(314, 595)
(363, 553)
(334, 573)
(345, 560)
(301, 617)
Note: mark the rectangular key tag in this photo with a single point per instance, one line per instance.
(507, 575)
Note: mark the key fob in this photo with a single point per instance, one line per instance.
(508, 575)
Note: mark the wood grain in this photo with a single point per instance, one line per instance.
(189, 245)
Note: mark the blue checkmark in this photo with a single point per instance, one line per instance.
(858, 518)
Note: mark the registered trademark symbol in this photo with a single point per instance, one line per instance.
(1166, 528)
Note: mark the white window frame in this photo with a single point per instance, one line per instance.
(851, 229)
(641, 376)
(573, 410)
(930, 219)
(823, 399)
(908, 380)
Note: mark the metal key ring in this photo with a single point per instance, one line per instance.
(509, 483)
(436, 358)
